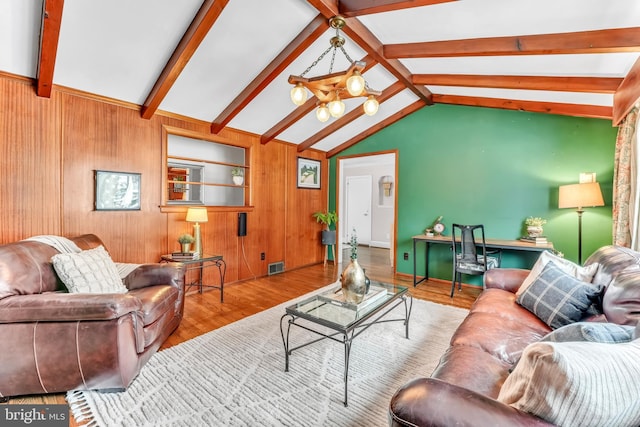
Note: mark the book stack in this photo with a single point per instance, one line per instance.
(184, 256)
(540, 240)
(337, 297)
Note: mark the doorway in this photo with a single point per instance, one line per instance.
(364, 201)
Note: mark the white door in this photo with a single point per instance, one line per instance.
(358, 198)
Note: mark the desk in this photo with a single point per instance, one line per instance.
(200, 264)
(513, 245)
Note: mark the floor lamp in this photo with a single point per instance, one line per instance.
(197, 215)
(578, 196)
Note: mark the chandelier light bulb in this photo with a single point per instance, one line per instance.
(355, 84)
(371, 106)
(298, 94)
(322, 113)
(336, 107)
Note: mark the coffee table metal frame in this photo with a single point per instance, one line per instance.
(344, 333)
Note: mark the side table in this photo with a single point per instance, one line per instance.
(199, 265)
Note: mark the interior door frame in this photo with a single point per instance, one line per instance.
(341, 189)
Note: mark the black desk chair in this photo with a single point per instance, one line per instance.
(470, 255)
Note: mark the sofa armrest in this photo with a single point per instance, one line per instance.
(508, 279)
(171, 273)
(429, 402)
(65, 307)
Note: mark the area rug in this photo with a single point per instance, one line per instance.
(234, 376)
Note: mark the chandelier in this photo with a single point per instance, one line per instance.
(330, 89)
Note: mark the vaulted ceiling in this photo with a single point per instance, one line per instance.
(227, 62)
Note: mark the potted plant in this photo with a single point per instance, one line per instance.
(534, 226)
(237, 174)
(185, 241)
(328, 218)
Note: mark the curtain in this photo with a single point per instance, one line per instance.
(626, 230)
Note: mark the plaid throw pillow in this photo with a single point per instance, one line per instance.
(558, 298)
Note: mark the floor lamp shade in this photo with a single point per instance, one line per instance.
(580, 196)
(197, 215)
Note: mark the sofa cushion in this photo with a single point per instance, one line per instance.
(585, 274)
(577, 383)
(558, 298)
(591, 331)
(90, 271)
(621, 300)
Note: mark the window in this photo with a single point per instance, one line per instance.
(204, 170)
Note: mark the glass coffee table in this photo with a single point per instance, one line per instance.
(330, 317)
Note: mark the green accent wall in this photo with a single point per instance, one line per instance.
(494, 167)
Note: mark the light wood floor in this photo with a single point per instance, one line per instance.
(204, 312)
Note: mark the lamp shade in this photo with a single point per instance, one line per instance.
(197, 215)
(580, 195)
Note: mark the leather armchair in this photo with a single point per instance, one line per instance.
(61, 341)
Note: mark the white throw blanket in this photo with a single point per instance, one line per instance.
(59, 243)
(67, 246)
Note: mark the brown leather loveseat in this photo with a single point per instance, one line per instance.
(464, 388)
(55, 341)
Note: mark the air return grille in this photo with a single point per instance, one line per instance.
(276, 267)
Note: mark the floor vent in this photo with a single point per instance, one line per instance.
(276, 267)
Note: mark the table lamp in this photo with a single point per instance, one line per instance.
(578, 196)
(197, 215)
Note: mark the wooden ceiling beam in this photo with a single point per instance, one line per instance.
(349, 8)
(302, 111)
(576, 110)
(627, 94)
(377, 127)
(392, 90)
(302, 41)
(558, 83)
(49, 36)
(370, 43)
(597, 41)
(203, 21)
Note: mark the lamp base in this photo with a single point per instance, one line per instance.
(198, 239)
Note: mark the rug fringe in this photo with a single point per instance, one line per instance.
(80, 409)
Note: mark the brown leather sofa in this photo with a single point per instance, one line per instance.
(463, 389)
(55, 341)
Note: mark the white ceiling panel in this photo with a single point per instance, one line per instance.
(119, 48)
(602, 65)
(238, 47)
(20, 36)
(494, 18)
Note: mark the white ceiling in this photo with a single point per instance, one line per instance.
(119, 48)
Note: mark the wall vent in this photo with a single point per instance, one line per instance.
(276, 267)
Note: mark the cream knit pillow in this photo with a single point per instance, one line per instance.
(578, 384)
(91, 271)
(584, 274)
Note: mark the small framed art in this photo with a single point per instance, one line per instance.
(117, 191)
(308, 173)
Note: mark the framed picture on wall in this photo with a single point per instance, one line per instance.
(308, 173)
(117, 191)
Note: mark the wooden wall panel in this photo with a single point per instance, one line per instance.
(67, 137)
(30, 158)
(100, 136)
(303, 232)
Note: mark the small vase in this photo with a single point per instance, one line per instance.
(353, 282)
(238, 180)
(186, 247)
(534, 230)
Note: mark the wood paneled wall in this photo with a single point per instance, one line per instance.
(51, 147)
